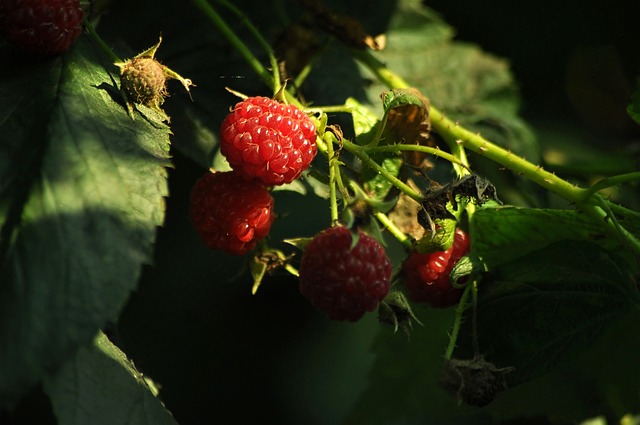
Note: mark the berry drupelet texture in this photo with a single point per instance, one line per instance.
(268, 141)
(426, 276)
(342, 280)
(230, 213)
(43, 27)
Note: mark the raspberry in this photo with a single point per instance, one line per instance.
(230, 213)
(46, 27)
(343, 281)
(144, 81)
(268, 141)
(426, 276)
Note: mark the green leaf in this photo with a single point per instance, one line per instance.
(472, 87)
(101, 386)
(364, 120)
(441, 240)
(500, 235)
(82, 194)
(550, 305)
(396, 98)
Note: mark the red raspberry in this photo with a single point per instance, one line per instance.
(230, 213)
(426, 276)
(268, 140)
(46, 27)
(343, 281)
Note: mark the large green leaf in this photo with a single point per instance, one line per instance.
(81, 196)
(472, 87)
(550, 305)
(101, 386)
(500, 235)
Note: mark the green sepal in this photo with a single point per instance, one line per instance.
(395, 310)
(466, 266)
(440, 240)
(300, 243)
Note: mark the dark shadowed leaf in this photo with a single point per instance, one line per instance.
(500, 235)
(634, 106)
(550, 305)
(101, 386)
(81, 196)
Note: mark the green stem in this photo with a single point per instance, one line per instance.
(457, 322)
(454, 133)
(416, 148)
(610, 182)
(395, 231)
(329, 138)
(238, 44)
(263, 43)
(605, 214)
(104, 46)
(360, 152)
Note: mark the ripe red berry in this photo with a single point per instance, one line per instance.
(46, 27)
(230, 213)
(426, 276)
(267, 140)
(342, 280)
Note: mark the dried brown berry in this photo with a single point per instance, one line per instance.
(144, 81)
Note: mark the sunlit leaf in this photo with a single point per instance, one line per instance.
(84, 193)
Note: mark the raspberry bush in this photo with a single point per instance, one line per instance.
(244, 249)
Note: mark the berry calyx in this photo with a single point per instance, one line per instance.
(44, 27)
(230, 213)
(266, 140)
(426, 276)
(341, 279)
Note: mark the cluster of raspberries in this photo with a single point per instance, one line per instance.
(343, 272)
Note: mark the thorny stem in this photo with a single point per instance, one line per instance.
(454, 134)
(394, 230)
(457, 322)
(416, 148)
(361, 153)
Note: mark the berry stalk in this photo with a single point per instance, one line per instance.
(400, 147)
(457, 322)
(394, 230)
(333, 169)
(113, 57)
(361, 153)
